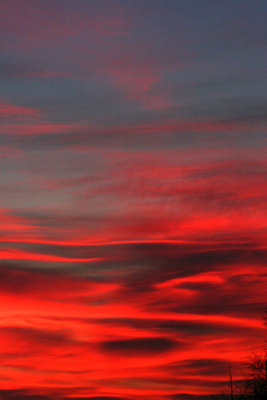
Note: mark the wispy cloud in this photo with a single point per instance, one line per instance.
(132, 197)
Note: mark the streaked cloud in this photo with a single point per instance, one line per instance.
(132, 197)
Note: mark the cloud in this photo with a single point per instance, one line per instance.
(14, 254)
(34, 395)
(35, 337)
(101, 398)
(139, 346)
(132, 181)
(21, 394)
(37, 29)
(12, 70)
(17, 112)
(43, 128)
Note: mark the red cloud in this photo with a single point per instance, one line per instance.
(14, 254)
(20, 112)
(42, 128)
(133, 242)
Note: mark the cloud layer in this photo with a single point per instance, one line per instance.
(133, 191)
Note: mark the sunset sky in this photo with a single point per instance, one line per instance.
(132, 196)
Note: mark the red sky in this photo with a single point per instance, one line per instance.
(132, 197)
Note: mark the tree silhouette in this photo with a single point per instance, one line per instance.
(256, 378)
(231, 383)
(256, 372)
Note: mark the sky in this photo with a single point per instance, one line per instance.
(132, 197)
